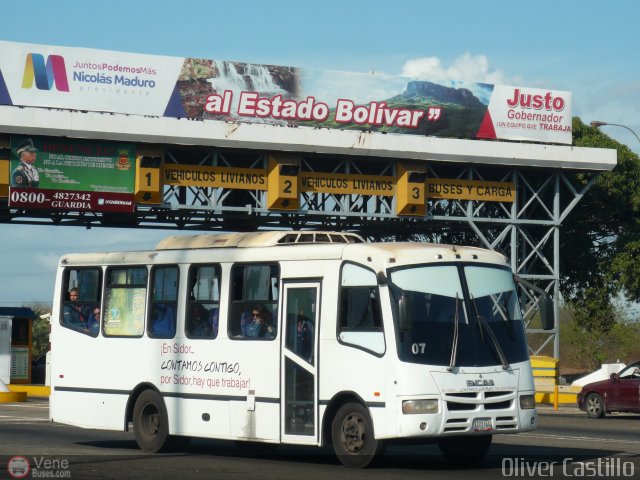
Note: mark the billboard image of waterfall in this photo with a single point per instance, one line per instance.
(200, 79)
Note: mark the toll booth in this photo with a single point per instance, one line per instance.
(16, 326)
(5, 350)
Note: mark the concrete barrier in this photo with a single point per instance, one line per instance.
(30, 390)
(545, 377)
(12, 397)
(557, 394)
(8, 396)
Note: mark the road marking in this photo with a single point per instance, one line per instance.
(21, 423)
(567, 437)
(23, 420)
(30, 405)
(12, 416)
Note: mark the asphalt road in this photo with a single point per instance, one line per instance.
(566, 444)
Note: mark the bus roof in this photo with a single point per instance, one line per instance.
(309, 245)
(255, 239)
(409, 253)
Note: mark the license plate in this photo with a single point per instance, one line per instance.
(482, 425)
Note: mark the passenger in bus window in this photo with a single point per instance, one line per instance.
(198, 324)
(93, 323)
(75, 315)
(304, 338)
(214, 319)
(163, 321)
(245, 320)
(260, 326)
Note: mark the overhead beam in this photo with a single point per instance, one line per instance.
(173, 131)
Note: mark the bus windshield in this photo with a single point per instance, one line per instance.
(458, 316)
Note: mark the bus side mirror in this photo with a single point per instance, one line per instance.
(545, 304)
(404, 323)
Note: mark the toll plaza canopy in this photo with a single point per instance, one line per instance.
(147, 135)
(125, 139)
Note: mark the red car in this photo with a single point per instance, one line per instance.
(620, 393)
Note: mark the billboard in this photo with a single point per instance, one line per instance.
(202, 89)
(63, 174)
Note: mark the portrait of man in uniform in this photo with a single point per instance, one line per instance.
(25, 175)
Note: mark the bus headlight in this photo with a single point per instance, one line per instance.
(410, 407)
(527, 402)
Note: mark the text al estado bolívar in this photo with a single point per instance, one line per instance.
(251, 104)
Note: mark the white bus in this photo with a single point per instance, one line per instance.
(309, 338)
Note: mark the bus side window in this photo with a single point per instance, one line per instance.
(254, 288)
(203, 305)
(125, 301)
(164, 301)
(82, 289)
(360, 309)
(360, 315)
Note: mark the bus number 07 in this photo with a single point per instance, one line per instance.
(417, 348)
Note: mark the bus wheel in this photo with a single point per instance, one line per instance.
(352, 436)
(150, 422)
(465, 451)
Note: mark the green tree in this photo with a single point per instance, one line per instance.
(585, 348)
(601, 238)
(599, 242)
(41, 328)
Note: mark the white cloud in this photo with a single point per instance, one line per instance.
(616, 103)
(468, 67)
(360, 87)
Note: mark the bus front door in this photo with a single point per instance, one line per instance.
(299, 415)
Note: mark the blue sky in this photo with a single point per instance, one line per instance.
(589, 48)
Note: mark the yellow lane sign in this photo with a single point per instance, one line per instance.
(214, 177)
(471, 190)
(346, 184)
